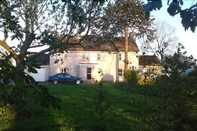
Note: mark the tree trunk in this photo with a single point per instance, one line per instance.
(126, 48)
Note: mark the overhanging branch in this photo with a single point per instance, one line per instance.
(9, 49)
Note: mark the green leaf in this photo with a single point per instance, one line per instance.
(172, 9)
(152, 5)
(186, 16)
(195, 12)
(30, 78)
(32, 70)
(193, 25)
(181, 2)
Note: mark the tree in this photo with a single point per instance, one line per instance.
(40, 23)
(128, 17)
(188, 15)
(165, 40)
(174, 108)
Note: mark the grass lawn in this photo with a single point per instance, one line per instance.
(124, 113)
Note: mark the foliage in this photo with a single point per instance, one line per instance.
(175, 106)
(16, 86)
(145, 81)
(100, 109)
(131, 76)
(121, 13)
(127, 17)
(179, 61)
(187, 15)
(43, 21)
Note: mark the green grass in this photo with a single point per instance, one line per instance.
(125, 112)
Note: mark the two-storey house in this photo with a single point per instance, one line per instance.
(88, 63)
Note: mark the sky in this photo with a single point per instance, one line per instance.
(187, 38)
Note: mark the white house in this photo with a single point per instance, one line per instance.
(88, 62)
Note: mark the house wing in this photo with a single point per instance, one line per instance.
(148, 60)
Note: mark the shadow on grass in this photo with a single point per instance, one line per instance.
(32, 117)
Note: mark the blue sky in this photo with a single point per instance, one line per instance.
(187, 38)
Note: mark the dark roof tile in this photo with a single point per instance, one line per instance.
(117, 45)
(148, 60)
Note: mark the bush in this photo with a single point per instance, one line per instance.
(131, 76)
(147, 81)
(100, 109)
(175, 106)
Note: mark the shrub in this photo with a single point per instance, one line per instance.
(145, 81)
(100, 109)
(175, 106)
(131, 76)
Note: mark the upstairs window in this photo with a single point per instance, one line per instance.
(120, 56)
(85, 57)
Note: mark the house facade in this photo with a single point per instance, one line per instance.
(89, 63)
(105, 61)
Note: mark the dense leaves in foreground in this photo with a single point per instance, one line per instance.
(187, 15)
(172, 100)
(16, 86)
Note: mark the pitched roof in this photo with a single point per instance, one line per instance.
(118, 44)
(148, 60)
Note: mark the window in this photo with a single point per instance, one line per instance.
(120, 72)
(89, 73)
(120, 56)
(64, 70)
(67, 76)
(86, 57)
(100, 56)
(60, 76)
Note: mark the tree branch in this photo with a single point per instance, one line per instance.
(10, 50)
